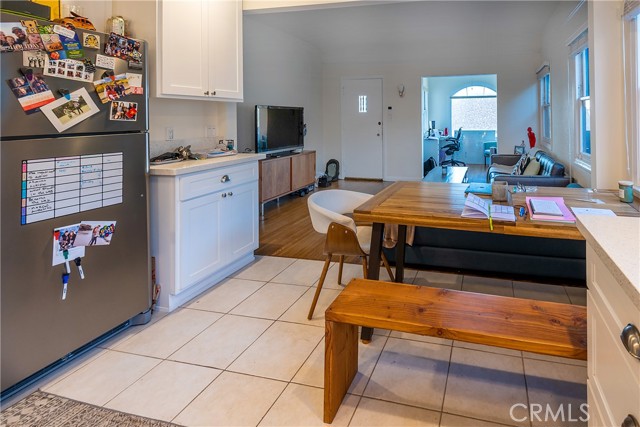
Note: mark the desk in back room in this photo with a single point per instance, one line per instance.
(440, 205)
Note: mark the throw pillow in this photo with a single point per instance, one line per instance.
(520, 165)
(532, 168)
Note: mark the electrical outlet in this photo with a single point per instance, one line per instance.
(209, 131)
(169, 134)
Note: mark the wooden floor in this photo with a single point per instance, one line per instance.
(286, 230)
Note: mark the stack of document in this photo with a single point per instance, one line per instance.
(549, 209)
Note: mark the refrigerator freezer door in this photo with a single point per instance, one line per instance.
(38, 327)
(16, 123)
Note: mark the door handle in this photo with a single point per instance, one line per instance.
(225, 178)
(630, 337)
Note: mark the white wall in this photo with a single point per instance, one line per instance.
(609, 154)
(566, 24)
(280, 70)
(98, 11)
(402, 124)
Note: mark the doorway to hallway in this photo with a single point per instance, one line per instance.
(453, 102)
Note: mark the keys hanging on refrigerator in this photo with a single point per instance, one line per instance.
(78, 262)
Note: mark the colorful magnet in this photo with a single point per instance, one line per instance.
(65, 93)
(109, 74)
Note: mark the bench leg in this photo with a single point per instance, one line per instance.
(374, 268)
(340, 364)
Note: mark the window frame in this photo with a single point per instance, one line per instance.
(544, 105)
(457, 96)
(632, 94)
(580, 96)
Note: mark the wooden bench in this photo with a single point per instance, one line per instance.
(521, 324)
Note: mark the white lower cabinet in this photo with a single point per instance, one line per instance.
(204, 227)
(614, 374)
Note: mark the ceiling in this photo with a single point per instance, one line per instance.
(413, 29)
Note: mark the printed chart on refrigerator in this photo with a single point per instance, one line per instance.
(59, 186)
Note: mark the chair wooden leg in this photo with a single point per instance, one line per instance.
(340, 270)
(320, 283)
(386, 265)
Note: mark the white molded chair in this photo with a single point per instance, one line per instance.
(327, 209)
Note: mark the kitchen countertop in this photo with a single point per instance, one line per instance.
(190, 166)
(616, 240)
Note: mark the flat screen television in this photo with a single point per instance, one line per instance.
(279, 129)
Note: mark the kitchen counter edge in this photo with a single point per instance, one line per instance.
(190, 166)
(616, 240)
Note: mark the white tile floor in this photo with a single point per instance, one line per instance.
(244, 354)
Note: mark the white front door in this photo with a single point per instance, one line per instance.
(362, 128)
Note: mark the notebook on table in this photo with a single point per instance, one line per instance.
(478, 188)
(549, 209)
(475, 207)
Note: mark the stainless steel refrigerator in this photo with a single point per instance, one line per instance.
(40, 326)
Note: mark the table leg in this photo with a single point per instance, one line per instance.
(400, 246)
(374, 267)
(340, 365)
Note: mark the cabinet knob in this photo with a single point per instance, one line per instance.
(630, 421)
(631, 340)
(230, 193)
(206, 93)
(224, 195)
(225, 178)
(214, 92)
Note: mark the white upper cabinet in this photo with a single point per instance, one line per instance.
(200, 49)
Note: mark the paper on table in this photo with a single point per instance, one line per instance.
(592, 211)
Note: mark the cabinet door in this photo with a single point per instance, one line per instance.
(183, 48)
(225, 63)
(303, 170)
(275, 178)
(199, 239)
(240, 221)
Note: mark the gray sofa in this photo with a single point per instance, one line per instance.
(514, 256)
(551, 172)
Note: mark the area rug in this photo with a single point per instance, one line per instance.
(48, 410)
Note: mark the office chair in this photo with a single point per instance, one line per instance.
(453, 145)
(343, 238)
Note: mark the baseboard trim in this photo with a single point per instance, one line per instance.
(348, 178)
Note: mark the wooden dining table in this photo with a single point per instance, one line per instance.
(440, 205)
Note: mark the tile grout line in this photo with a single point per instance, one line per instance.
(446, 382)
